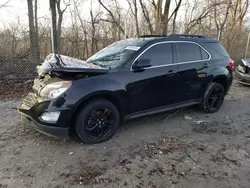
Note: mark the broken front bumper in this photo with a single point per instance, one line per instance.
(45, 129)
(243, 78)
(31, 111)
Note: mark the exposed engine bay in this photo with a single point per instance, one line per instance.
(58, 67)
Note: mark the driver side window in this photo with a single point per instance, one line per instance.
(159, 54)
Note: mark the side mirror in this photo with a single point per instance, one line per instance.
(141, 64)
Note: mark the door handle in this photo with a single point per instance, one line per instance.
(171, 73)
(205, 66)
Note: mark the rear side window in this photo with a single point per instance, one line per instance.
(217, 49)
(190, 52)
(160, 54)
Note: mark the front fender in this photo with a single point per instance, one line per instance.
(106, 88)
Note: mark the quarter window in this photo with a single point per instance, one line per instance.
(160, 54)
(204, 54)
(190, 52)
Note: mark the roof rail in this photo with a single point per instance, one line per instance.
(148, 36)
(186, 36)
(175, 36)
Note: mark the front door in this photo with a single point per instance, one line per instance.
(154, 87)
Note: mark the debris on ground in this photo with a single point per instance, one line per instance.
(176, 112)
(187, 117)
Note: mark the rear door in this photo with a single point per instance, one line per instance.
(155, 86)
(194, 65)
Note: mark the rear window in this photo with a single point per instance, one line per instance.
(217, 49)
(190, 52)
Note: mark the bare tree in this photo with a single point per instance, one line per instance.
(175, 12)
(84, 27)
(234, 26)
(134, 9)
(197, 14)
(146, 16)
(113, 18)
(224, 19)
(34, 42)
(162, 16)
(5, 4)
(238, 12)
(60, 12)
(94, 20)
(221, 12)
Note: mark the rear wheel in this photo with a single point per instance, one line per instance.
(213, 98)
(97, 121)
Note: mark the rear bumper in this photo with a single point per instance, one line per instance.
(242, 78)
(48, 130)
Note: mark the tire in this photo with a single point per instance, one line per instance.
(209, 102)
(91, 121)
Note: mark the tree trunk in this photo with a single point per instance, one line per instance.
(34, 43)
(136, 18)
(146, 16)
(93, 33)
(59, 31)
(36, 32)
(165, 18)
(134, 10)
(117, 23)
(54, 44)
(174, 23)
(175, 12)
(86, 44)
(59, 23)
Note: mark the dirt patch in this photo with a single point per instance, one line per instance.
(85, 176)
(14, 89)
(187, 148)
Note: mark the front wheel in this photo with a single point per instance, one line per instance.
(213, 98)
(97, 121)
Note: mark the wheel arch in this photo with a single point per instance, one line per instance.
(222, 79)
(120, 104)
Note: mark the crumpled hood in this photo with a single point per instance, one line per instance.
(62, 63)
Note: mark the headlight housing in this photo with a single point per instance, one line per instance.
(53, 90)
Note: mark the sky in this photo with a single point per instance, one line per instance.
(17, 9)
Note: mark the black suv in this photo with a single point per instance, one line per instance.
(127, 79)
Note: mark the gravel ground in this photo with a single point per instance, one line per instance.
(185, 148)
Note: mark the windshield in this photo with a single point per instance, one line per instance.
(117, 53)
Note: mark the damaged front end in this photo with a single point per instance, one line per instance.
(56, 63)
(242, 72)
(58, 68)
(57, 72)
(46, 108)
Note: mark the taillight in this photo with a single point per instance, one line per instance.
(231, 64)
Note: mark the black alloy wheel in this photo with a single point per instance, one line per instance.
(100, 123)
(213, 98)
(97, 121)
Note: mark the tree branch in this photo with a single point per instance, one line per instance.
(175, 10)
(5, 4)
